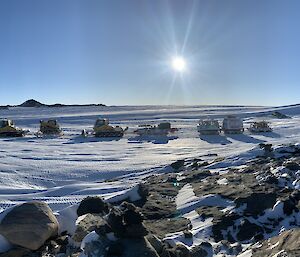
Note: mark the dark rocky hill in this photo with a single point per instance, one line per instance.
(35, 103)
(31, 103)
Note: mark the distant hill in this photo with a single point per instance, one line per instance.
(31, 103)
(34, 103)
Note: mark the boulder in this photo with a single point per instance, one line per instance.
(177, 165)
(88, 224)
(130, 214)
(92, 205)
(179, 251)
(29, 225)
(115, 221)
(201, 250)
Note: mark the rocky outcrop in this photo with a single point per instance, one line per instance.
(29, 225)
(243, 205)
(92, 205)
(286, 244)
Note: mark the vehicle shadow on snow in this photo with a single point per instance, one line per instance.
(270, 134)
(82, 140)
(245, 138)
(215, 139)
(152, 139)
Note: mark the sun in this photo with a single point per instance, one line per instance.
(178, 64)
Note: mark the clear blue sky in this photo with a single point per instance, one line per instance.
(119, 52)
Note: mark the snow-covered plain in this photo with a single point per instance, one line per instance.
(62, 171)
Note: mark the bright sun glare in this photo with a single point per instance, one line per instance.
(178, 64)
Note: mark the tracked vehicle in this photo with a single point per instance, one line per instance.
(209, 127)
(259, 127)
(232, 125)
(103, 129)
(8, 129)
(49, 127)
(163, 128)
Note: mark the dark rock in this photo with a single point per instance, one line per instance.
(131, 215)
(257, 202)
(29, 225)
(247, 230)
(289, 206)
(292, 166)
(267, 149)
(115, 221)
(92, 205)
(223, 223)
(62, 240)
(271, 179)
(155, 243)
(187, 234)
(279, 115)
(178, 164)
(201, 250)
(115, 249)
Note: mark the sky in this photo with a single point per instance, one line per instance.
(119, 52)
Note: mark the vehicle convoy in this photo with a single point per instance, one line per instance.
(163, 128)
(260, 127)
(8, 129)
(208, 127)
(49, 127)
(103, 129)
(232, 125)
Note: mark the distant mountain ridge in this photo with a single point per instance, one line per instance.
(34, 103)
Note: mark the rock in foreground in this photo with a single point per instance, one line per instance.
(29, 225)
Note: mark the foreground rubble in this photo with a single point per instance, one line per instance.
(198, 209)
